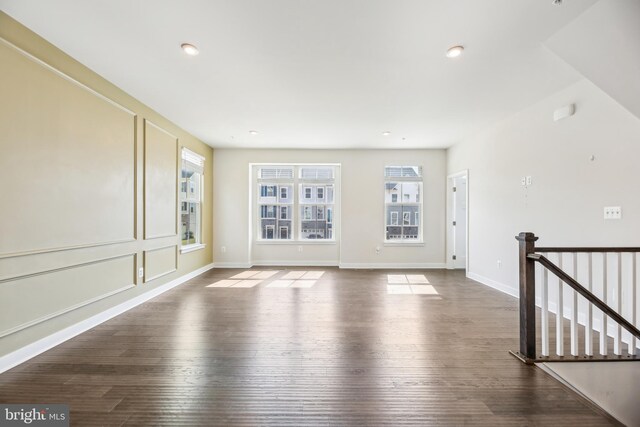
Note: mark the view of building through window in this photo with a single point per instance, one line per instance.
(403, 203)
(191, 197)
(279, 208)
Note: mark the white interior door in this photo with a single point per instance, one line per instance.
(459, 222)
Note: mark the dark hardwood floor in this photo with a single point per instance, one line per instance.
(343, 352)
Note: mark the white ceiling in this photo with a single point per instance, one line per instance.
(317, 74)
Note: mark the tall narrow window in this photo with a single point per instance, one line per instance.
(403, 203)
(191, 190)
(275, 202)
(316, 198)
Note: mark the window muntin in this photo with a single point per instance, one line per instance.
(191, 191)
(403, 203)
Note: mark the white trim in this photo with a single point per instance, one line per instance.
(66, 77)
(449, 218)
(233, 265)
(192, 248)
(296, 242)
(63, 311)
(403, 242)
(392, 265)
(29, 351)
(296, 263)
(493, 284)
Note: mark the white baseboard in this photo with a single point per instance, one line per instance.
(297, 263)
(29, 351)
(392, 265)
(233, 265)
(493, 284)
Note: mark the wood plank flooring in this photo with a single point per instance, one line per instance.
(343, 352)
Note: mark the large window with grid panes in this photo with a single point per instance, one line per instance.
(296, 202)
(403, 204)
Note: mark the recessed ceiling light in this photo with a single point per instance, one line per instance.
(386, 133)
(189, 49)
(253, 132)
(455, 51)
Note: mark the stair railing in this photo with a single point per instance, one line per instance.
(608, 307)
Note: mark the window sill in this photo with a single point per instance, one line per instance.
(403, 244)
(192, 248)
(295, 242)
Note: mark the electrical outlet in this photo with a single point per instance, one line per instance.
(141, 272)
(223, 249)
(528, 180)
(612, 212)
(299, 248)
(523, 180)
(377, 250)
(499, 264)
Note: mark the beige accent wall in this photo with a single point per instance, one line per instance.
(89, 190)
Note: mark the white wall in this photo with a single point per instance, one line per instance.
(564, 205)
(612, 386)
(603, 44)
(361, 209)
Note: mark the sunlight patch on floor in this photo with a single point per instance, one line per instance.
(409, 284)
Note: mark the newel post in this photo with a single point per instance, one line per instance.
(527, 295)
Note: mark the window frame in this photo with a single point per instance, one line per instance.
(194, 162)
(401, 220)
(301, 204)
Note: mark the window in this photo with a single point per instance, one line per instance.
(284, 233)
(318, 182)
(275, 188)
(403, 189)
(191, 186)
(394, 218)
(312, 204)
(307, 213)
(269, 232)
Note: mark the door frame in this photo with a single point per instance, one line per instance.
(449, 220)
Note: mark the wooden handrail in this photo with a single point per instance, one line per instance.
(584, 292)
(597, 250)
(528, 255)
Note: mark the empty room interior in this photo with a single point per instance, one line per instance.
(337, 212)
